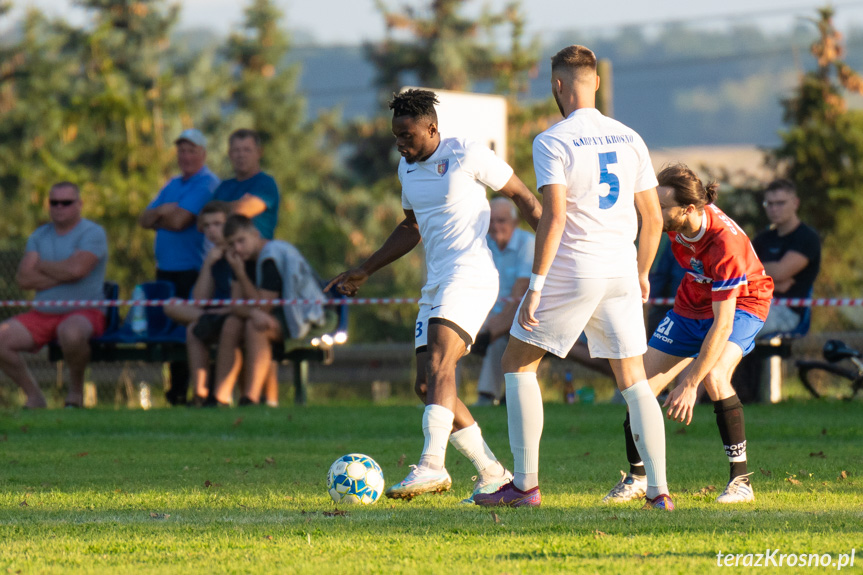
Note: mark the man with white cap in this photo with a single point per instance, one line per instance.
(179, 244)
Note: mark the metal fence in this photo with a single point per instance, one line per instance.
(9, 259)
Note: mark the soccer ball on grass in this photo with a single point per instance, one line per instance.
(355, 478)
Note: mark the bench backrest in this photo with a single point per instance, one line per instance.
(111, 291)
(800, 330)
(158, 324)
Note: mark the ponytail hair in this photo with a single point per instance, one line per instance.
(687, 187)
(711, 190)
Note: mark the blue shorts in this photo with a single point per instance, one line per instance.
(682, 337)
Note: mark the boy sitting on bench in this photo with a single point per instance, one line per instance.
(204, 324)
(261, 269)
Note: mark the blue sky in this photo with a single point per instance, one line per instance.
(353, 21)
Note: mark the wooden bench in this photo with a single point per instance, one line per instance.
(165, 341)
(763, 367)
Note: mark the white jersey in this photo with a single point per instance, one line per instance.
(603, 164)
(447, 193)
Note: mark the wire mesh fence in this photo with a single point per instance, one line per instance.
(10, 256)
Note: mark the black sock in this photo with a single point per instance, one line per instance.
(636, 467)
(729, 418)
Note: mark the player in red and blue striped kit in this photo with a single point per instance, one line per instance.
(719, 308)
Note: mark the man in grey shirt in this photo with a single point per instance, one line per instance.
(64, 260)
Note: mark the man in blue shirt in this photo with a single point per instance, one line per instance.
(512, 251)
(179, 243)
(251, 193)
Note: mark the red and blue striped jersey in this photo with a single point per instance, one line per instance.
(720, 263)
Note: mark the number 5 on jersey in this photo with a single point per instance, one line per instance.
(605, 177)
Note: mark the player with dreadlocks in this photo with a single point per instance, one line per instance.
(444, 184)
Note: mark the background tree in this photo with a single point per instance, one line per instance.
(822, 152)
(438, 47)
(434, 46)
(127, 109)
(97, 105)
(297, 151)
(420, 48)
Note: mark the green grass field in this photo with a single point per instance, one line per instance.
(242, 491)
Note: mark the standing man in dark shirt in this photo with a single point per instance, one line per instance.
(251, 192)
(791, 253)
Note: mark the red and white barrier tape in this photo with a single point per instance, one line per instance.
(792, 302)
(789, 302)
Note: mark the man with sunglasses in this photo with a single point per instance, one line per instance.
(64, 260)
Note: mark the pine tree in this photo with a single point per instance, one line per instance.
(12, 58)
(265, 97)
(36, 76)
(126, 111)
(441, 48)
(822, 153)
(823, 145)
(99, 106)
(434, 46)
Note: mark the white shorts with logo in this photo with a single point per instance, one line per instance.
(609, 311)
(459, 303)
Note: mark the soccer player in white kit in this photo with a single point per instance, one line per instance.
(444, 199)
(594, 173)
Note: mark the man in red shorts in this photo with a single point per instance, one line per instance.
(64, 260)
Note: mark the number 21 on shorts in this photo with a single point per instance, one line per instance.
(664, 328)
(605, 177)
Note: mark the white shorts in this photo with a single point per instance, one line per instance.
(461, 304)
(609, 311)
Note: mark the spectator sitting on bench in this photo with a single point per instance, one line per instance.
(203, 324)
(64, 260)
(791, 253)
(262, 269)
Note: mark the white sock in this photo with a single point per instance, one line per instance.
(648, 431)
(525, 418)
(437, 426)
(470, 443)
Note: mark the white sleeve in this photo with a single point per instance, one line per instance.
(487, 167)
(405, 202)
(646, 178)
(547, 163)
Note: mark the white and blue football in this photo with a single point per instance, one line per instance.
(355, 478)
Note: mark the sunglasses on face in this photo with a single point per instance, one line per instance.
(64, 203)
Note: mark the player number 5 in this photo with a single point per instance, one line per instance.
(606, 177)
